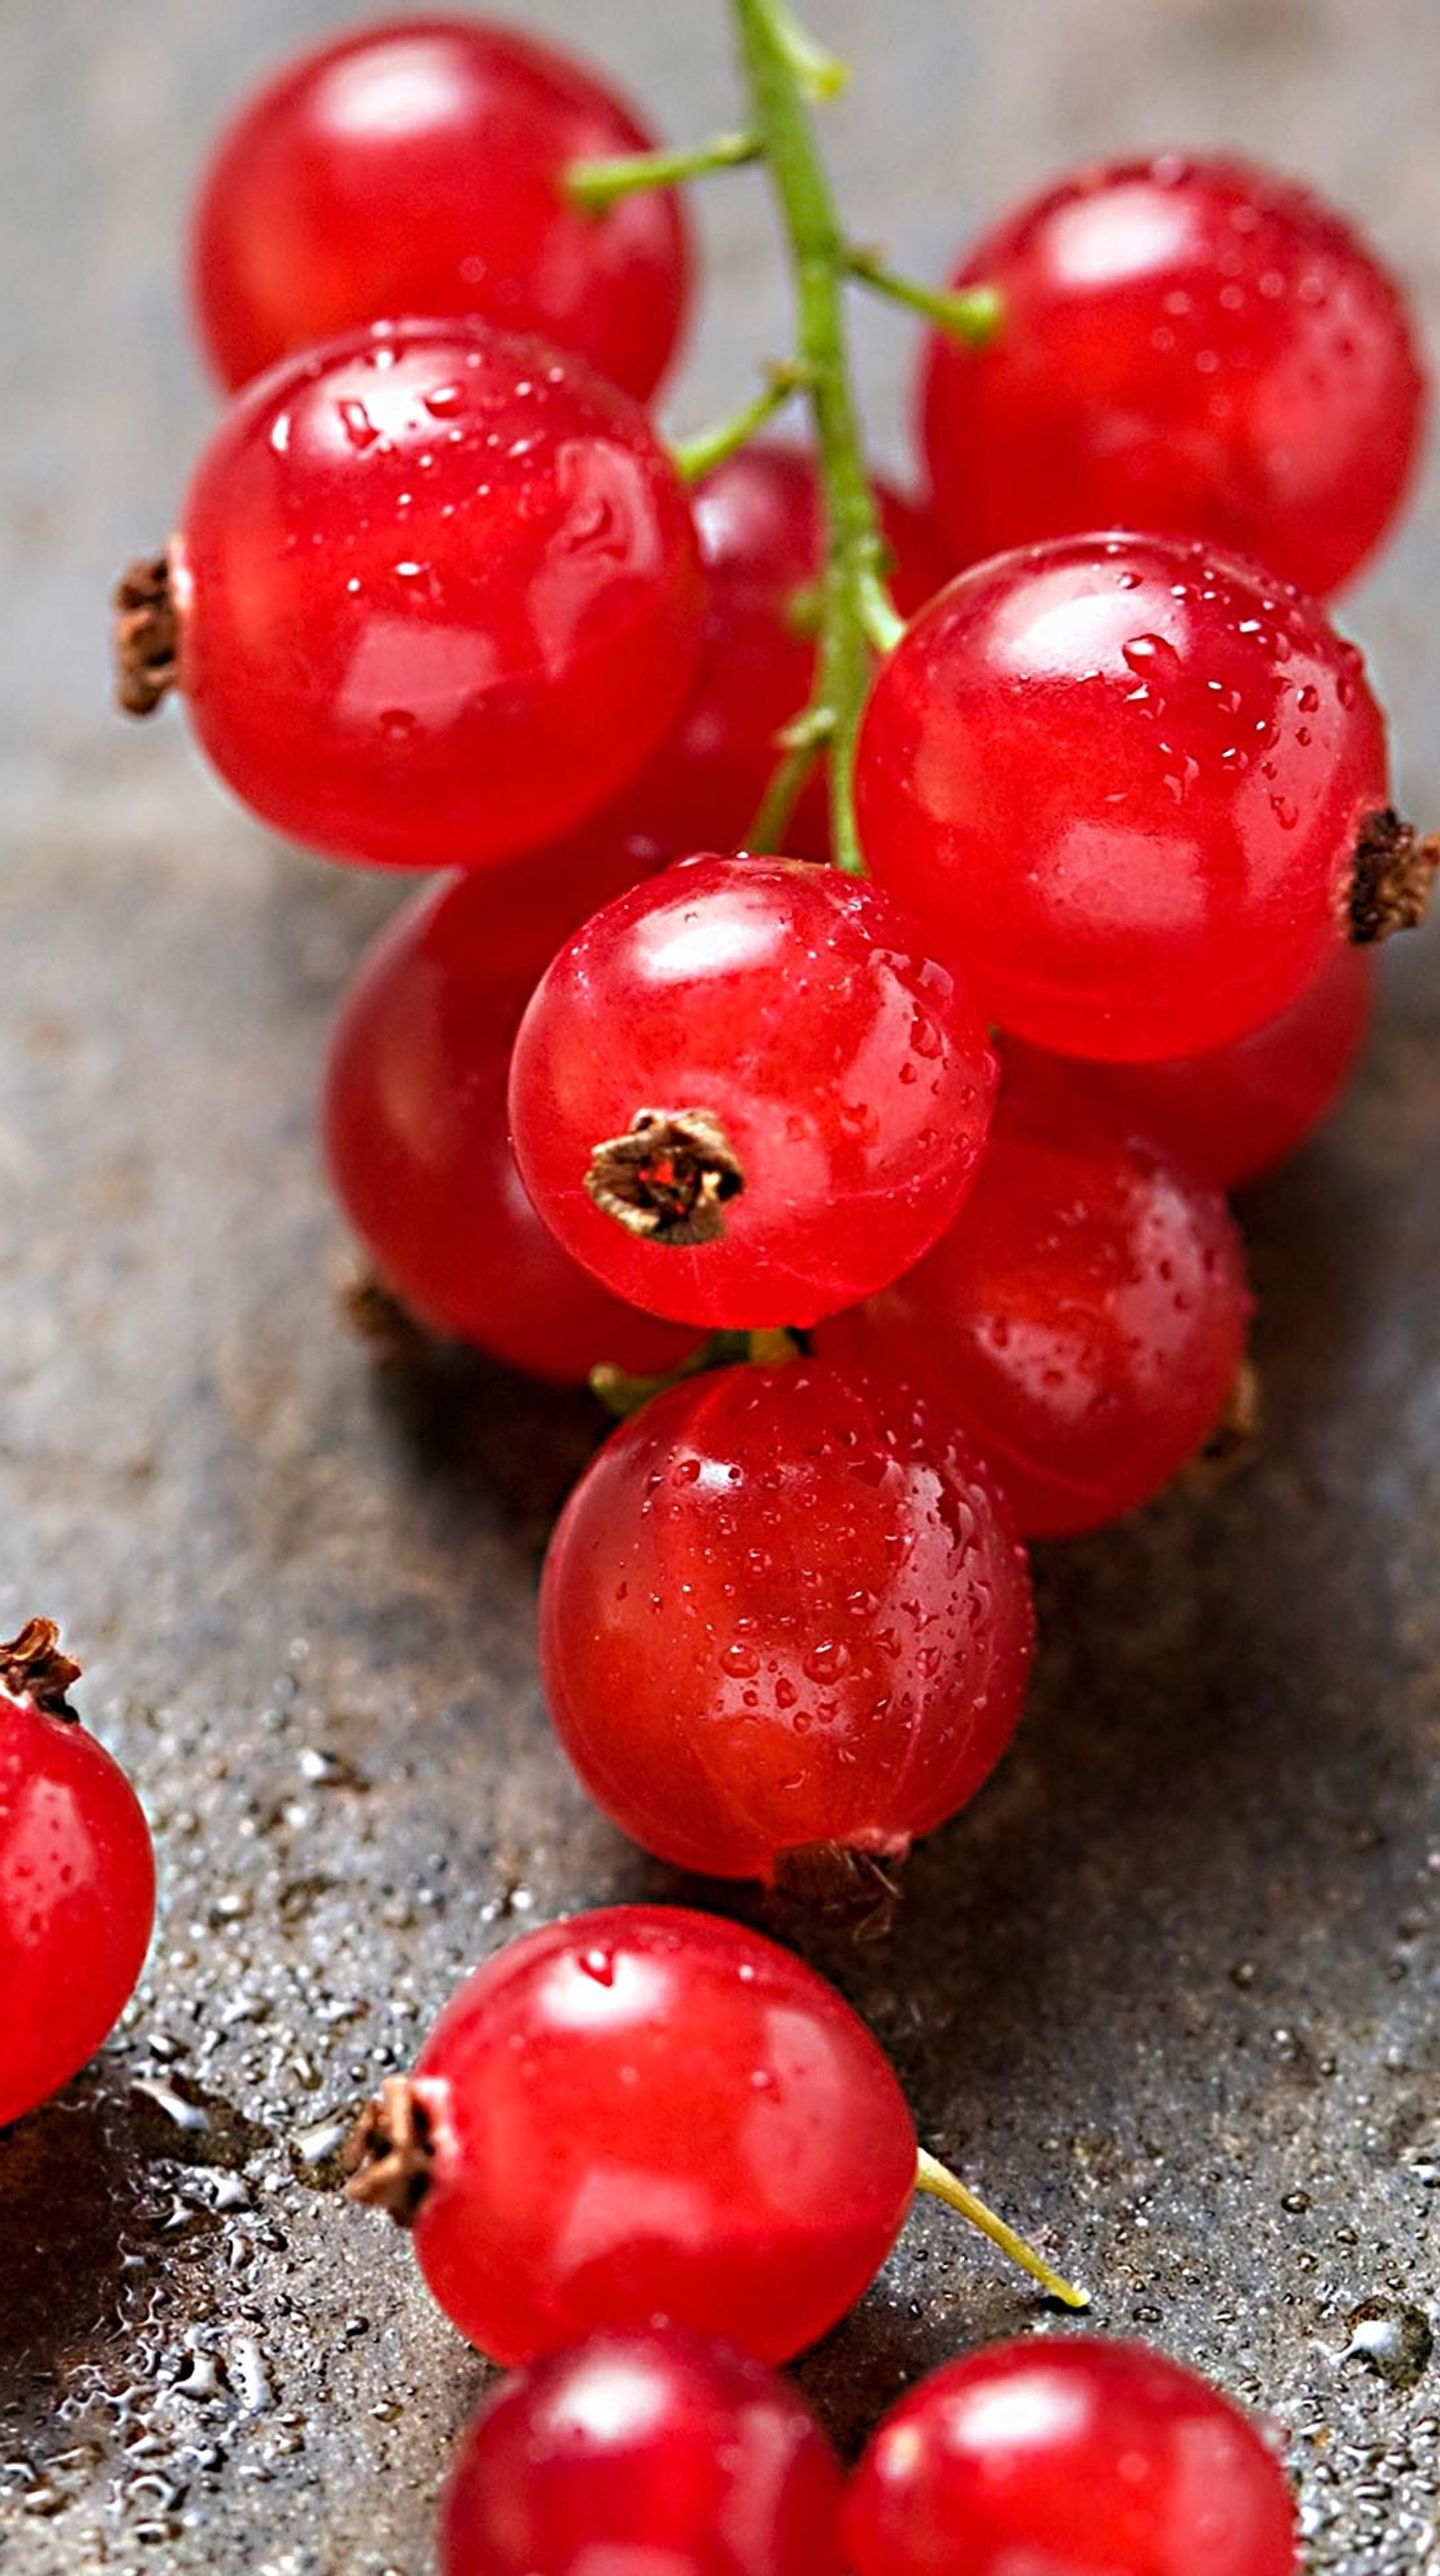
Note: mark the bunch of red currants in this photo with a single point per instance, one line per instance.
(873, 938)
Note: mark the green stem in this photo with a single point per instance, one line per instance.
(933, 2177)
(698, 456)
(596, 185)
(972, 314)
(783, 70)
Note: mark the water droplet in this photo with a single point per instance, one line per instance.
(1397, 2340)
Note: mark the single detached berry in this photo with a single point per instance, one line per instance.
(77, 1878)
(1076, 2457)
(759, 523)
(1139, 789)
(420, 167)
(1084, 1317)
(434, 596)
(639, 2450)
(784, 1620)
(743, 1094)
(1191, 346)
(644, 2116)
(415, 1129)
(1239, 1110)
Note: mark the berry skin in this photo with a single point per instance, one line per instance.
(743, 1096)
(1128, 782)
(1085, 1316)
(782, 1611)
(1241, 1109)
(758, 518)
(415, 1127)
(647, 2115)
(648, 2449)
(77, 1887)
(438, 595)
(1074, 2457)
(1190, 346)
(419, 167)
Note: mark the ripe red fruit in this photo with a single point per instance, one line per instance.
(640, 2450)
(1192, 346)
(1241, 1109)
(1084, 1317)
(1135, 786)
(1077, 2457)
(743, 1095)
(758, 518)
(419, 167)
(415, 1125)
(783, 1612)
(646, 2114)
(77, 1879)
(437, 595)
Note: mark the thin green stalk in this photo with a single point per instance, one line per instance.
(596, 185)
(971, 314)
(784, 71)
(698, 456)
(937, 2179)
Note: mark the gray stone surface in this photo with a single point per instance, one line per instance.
(1168, 1992)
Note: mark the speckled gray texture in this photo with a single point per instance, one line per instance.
(1169, 1993)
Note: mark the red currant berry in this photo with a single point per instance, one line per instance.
(1239, 1110)
(415, 1128)
(782, 1612)
(759, 523)
(644, 2450)
(77, 1879)
(1085, 1316)
(420, 167)
(1185, 345)
(742, 1095)
(1075, 2457)
(437, 595)
(1134, 787)
(646, 2114)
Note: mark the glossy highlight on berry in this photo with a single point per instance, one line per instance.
(1073, 2455)
(640, 2449)
(785, 1617)
(1084, 1317)
(1193, 346)
(418, 166)
(743, 1094)
(1128, 781)
(437, 595)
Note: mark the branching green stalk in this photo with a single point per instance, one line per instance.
(596, 185)
(698, 456)
(970, 314)
(783, 72)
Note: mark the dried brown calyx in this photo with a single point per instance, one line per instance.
(669, 1179)
(390, 2156)
(1235, 1439)
(146, 636)
(32, 1667)
(1393, 878)
(852, 1889)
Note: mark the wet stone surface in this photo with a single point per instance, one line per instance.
(1168, 1994)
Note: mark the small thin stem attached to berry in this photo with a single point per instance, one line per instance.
(622, 1393)
(597, 185)
(800, 747)
(971, 314)
(698, 456)
(933, 2177)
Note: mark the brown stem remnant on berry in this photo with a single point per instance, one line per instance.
(146, 636)
(389, 2156)
(669, 1178)
(1235, 1439)
(32, 1667)
(852, 1889)
(396, 1338)
(1392, 880)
